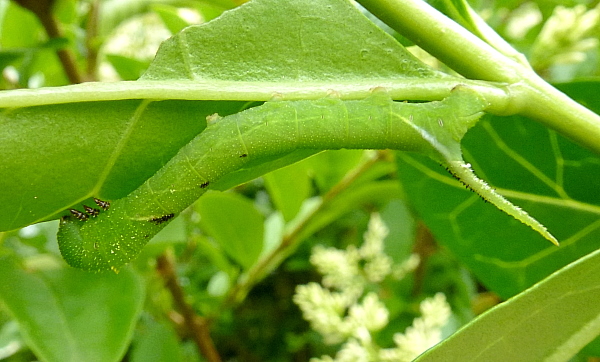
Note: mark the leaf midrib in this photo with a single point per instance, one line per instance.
(212, 89)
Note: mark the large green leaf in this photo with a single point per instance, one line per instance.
(283, 41)
(551, 321)
(69, 315)
(554, 179)
(234, 223)
(79, 149)
(58, 155)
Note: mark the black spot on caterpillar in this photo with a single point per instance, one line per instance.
(243, 155)
(103, 204)
(160, 220)
(79, 215)
(204, 185)
(90, 210)
(271, 131)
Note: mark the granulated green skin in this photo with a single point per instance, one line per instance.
(117, 235)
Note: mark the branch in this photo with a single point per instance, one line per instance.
(425, 246)
(295, 236)
(43, 10)
(91, 40)
(194, 323)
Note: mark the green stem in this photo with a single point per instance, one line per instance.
(473, 58)
(294, 236)
(554, 109)
(443, 38)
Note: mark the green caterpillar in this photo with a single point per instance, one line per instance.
(115, 236)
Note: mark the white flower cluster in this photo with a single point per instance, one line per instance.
(326, 312)
(341, 314)
(425, 332)
(566, 37)
(341, 269)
